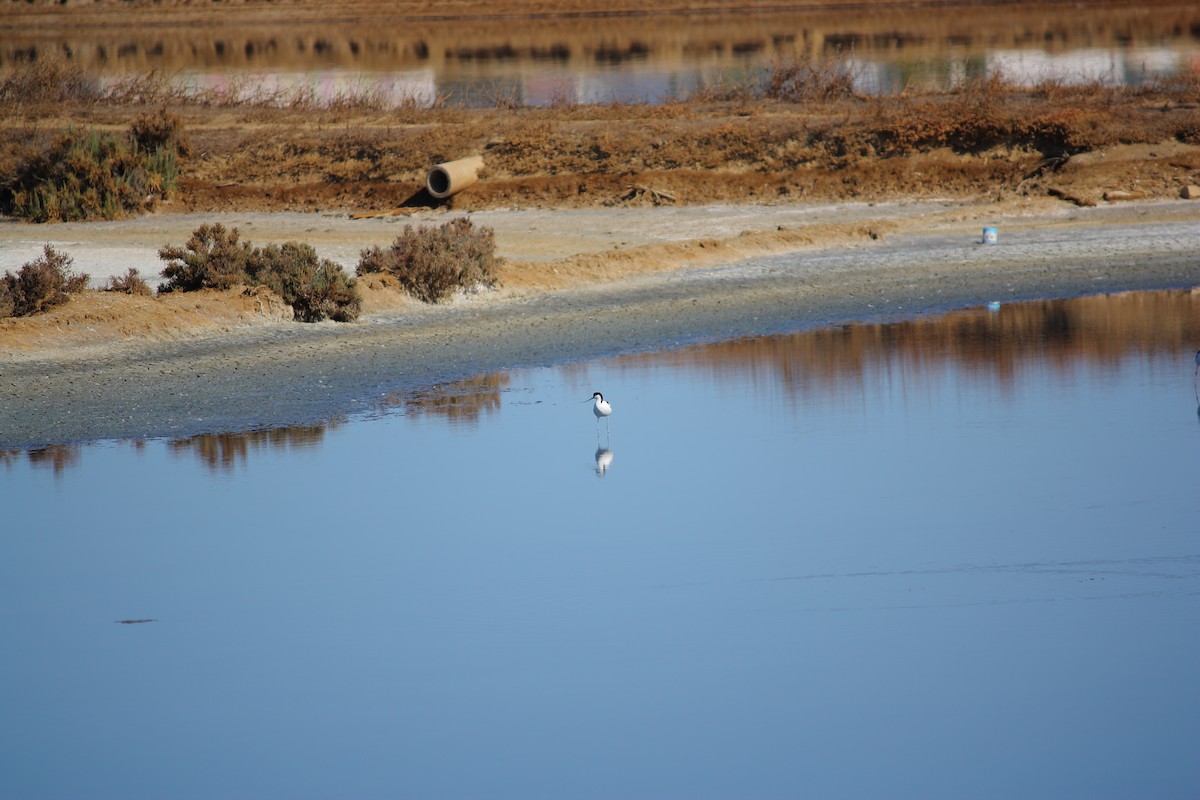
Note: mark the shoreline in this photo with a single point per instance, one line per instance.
(878, 263)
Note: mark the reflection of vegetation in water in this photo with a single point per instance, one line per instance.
(57, 457)
(385, 39)
(460, 402)
(1061, 334)
(224, 451)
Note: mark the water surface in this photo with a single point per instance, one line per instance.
(951, 557)
(633, 58)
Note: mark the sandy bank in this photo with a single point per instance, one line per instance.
(580, 284)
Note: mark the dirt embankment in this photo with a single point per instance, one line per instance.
(641, 161)
(812, 141)
(543, 250)
(621, 246)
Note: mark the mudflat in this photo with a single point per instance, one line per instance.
(196, 363)
(792, 202)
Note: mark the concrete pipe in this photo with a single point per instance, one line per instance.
(452, 177)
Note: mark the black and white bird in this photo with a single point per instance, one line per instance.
(601, 407)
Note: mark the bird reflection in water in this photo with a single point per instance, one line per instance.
(604, 457)
(1196, 381)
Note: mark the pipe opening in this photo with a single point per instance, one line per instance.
(438, 182)
(446, 179)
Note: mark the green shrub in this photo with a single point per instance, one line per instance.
(162, 172)
(94, 175)
(40, 284)
(433, 263)
(214, 258)
(132, 283)
(315, 288)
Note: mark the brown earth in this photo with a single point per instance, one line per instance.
(586, 158)
(985, 145)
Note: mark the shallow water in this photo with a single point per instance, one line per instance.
(645, 79)
(933, 558)
(629, 58)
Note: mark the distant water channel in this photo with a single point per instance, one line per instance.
(953, 557)
(632, 58)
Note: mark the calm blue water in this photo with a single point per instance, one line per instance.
(658, 81)
(953, 558)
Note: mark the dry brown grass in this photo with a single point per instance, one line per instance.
(800, 132)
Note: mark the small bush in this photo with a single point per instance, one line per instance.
(1188, 130)
(132, 283)
(152, 131)
(433, 263)
(89, 175)
(315, 288)
(40, 284)
(807, 81)
(214, 258)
